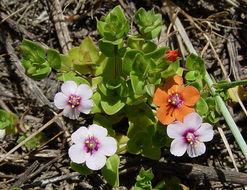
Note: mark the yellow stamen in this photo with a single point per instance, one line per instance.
(196, 137)
(173, 102)
(169, 93)
(176, 94)
(201, 141)
(195, 145)
(191, 143)
(71, 96)
(90, 145)
(77, 103)
(169, 100)
(96, 140)
(172, 91)
(78, 98)
(73, 106)
(87, 142)
(189, 139)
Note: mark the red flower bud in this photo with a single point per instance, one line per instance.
(172, 55)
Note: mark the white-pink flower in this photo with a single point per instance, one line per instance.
(190, 135)
(91, 146)
(74, 99)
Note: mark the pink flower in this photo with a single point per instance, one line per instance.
(74, 99)
(91, 146)
(189, 135)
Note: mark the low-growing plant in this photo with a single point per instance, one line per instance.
(127, 79)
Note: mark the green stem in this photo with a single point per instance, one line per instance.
(226, 85)
(229, 120)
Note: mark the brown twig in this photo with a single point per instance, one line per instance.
(61, 27)
(51, 180)
(199, 172)
(17, 27)
(25, 176)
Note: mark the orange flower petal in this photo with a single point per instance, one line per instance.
(181, 112)
(175, 80)
(160, 97)
(165, 115)
(190, 95)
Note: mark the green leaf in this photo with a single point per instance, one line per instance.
(114, 26)
(53, 58)
(133, 147)
(5, 120)
(89, 50)
(201, 106)
(109, 48)
(150, 88)
(151, 152)
(80, 168)
(110, 170)
(72, 76)
(36, 67)
(171, 70)
(143, 180)
(192, 75)
(149, 23)
(66, 62)
(129, 59)
(34, 142)
(195, 63)
(137, 83)
(112, 104)
(96, 98)
(31, 50)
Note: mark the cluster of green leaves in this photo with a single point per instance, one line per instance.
(34, 142)
(144, 182)
(206, 106)
(8, 122)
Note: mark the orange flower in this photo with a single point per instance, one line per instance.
(175, 100)
(172, 55)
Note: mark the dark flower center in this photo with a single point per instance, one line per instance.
(74, 100)
(175, 99)
(91, 144)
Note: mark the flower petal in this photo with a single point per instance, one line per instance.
(97, 131)
(205, 132)
(190, 95)
(69, 87)
(96, 161)
(108, 146)
(70, 112)
(193, 151)
(175, 80)
(178, 147)
(84, 91)
(175, 130)
(77, 154)
(165, 115)
(180, 113)
(60, 100)
(79, 135)
(160, 97)
(193, 120)
(85, 106)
